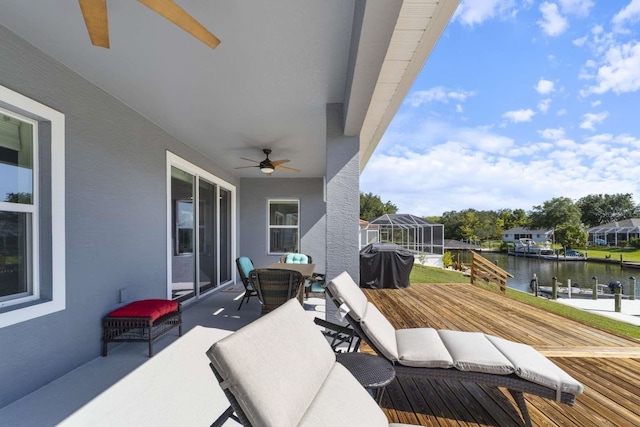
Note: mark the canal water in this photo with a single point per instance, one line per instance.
(580, 272)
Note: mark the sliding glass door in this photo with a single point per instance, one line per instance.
(201, 228)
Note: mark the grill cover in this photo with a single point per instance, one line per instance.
(385, 266)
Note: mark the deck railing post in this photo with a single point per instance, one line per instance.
(616, 287)
(554, 287)
(632, 288)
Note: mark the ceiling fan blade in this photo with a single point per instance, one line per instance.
(279, 162)
(286, 168)
(251, 160)
(252, 166)
(177, 15)
(96, 20)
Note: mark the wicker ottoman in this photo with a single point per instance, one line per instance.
(141, 321)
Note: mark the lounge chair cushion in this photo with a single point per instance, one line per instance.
(251, 363)
(380, 331)
(344, 288)
(422, 348)
(330, 407)
(472, 351)
(533, 366)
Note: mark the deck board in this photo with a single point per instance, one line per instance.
(607, 364)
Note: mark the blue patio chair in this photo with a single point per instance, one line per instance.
(316, 282)
(245, 266)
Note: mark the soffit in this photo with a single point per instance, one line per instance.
(418, 28)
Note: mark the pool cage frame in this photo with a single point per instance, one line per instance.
(408, 231)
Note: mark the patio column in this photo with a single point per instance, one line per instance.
(343, 200)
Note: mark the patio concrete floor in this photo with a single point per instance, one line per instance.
(173, 388)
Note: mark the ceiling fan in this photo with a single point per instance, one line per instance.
(267, 166)
(95, 18)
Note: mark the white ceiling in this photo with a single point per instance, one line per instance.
(265, 86)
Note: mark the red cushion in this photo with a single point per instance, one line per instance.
(153, 308)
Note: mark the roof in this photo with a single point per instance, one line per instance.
(270, 83)
(525, 230)
(402, 220)
(631, 225)
(457, 244)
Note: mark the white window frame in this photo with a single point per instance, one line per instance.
(270, 226)
(198, 172)
(32, 306)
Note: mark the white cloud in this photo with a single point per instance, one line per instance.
(576, 7)
(553, 23)
(475, 12)
(437, 94)
(580, 41)
(619, 71)
(459, 109)
(629, 15)
(596, 103)
(589, 120)
(561, 112)
(544, 87)
(552, 134)
(518, 116)
(544, 105)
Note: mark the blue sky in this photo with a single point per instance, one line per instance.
(519, 102)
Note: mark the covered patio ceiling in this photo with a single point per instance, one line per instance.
(266, 85)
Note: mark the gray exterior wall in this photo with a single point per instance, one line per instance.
(254, 194)
(115, 216)
(343, 202)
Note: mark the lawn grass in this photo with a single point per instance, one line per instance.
(422, 274)
(628, 254)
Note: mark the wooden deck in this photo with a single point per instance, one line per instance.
(607, 365)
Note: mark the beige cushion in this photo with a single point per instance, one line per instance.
(533, 366)
(275, 365)
(346, 290)
(342, 401)
(380, 332)
(472, 351)
(422, 348)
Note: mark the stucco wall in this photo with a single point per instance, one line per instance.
(115, 216)
(254, 194)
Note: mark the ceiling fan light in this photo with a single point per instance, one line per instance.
(266, 169)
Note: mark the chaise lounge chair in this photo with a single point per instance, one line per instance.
(280, 371)
(454, 355)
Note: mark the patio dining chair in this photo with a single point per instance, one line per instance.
(314, 283)
(275, 286)
(454, 355)
(245, 266)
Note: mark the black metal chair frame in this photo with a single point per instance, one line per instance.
(248, 293)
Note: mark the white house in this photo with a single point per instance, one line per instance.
(514, 235)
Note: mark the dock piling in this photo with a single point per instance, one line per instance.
(632, 288)
(595, 288)
(569, 288)
(554, 288)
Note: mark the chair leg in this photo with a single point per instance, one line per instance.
(245, 296)
(522, 405)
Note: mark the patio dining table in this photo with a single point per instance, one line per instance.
(305, 269)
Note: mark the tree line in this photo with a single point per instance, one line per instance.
(569, 219)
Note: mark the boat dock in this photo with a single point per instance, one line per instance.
(629, 313)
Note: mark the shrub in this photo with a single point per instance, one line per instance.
(635, 242)
(447, 259)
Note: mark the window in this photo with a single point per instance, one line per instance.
(283, 226)
(32, 276)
